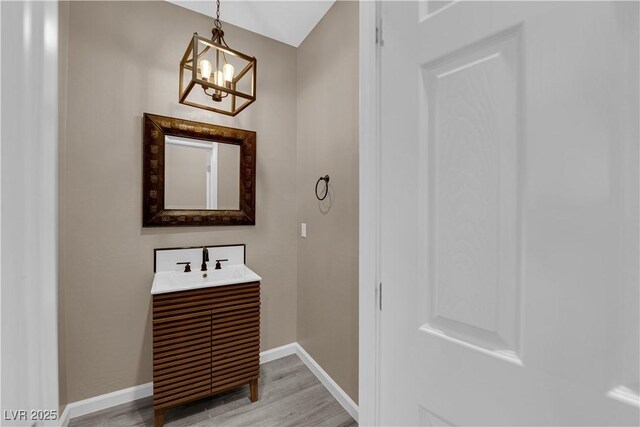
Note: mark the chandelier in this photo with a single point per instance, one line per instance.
(208, 77)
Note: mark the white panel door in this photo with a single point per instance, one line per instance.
(509, 213)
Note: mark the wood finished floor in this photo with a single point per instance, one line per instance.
(290, 395)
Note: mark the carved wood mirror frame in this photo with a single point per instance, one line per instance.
(154, 213)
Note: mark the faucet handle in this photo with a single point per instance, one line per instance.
(187, 266)
(218, 261)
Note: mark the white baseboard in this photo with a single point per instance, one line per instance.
(98, 403)
(105, 401)
(64, 417)
(278, 352)
(335, 390)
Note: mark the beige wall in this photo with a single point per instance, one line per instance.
(328, 144)
(122, 62)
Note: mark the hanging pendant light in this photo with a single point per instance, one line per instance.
(208, 77)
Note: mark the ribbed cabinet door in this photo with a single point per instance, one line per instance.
(236, 336)
(204, 341)
(181, 348)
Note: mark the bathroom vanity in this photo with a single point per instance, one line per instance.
(206, 329)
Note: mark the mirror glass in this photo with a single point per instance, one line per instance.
(201, 174)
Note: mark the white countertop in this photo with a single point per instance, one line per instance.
(173, 281)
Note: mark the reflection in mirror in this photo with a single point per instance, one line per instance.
(201, 174)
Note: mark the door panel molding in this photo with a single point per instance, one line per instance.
(470, 138)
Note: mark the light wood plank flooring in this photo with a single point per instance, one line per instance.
(290, 395)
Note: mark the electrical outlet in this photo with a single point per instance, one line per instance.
(303, 229)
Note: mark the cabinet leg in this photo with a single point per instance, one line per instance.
(253, 388)
(158, 415)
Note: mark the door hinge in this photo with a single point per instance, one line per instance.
(379, 40)
(380, 297)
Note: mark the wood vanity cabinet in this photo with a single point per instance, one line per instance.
(205, 341)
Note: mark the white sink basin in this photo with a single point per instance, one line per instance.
(172, 281)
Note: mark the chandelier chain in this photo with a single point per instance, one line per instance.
(217, 22)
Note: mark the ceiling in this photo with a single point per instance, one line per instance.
(287, 21)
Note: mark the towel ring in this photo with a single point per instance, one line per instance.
(326, 187)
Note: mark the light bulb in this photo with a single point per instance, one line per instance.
(218, 78)
(228, 70)
(205, 67)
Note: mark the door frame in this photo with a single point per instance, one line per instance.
(370, 314)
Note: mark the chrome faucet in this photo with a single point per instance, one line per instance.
(205, 258)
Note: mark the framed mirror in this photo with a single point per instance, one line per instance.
(197, 173)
